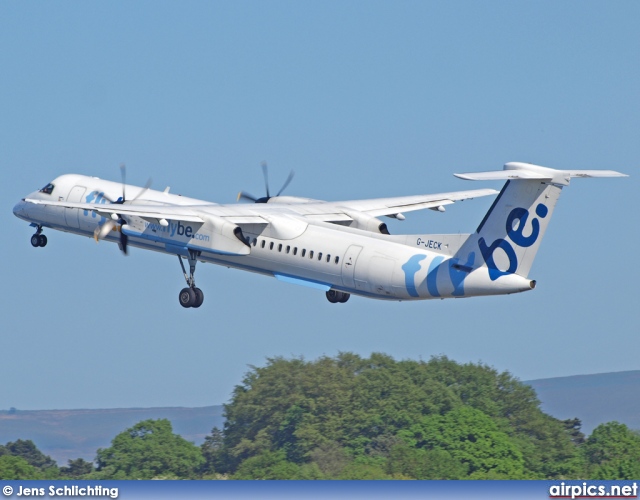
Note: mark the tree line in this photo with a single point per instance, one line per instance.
(349, 417)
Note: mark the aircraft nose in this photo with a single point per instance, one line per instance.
(19, 210)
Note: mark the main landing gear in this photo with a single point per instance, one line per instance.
(39, 239)
(190, 296)
(334, 296)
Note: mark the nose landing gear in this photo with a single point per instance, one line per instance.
(38, 239)
(191, 296)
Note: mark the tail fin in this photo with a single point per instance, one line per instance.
(519, 216)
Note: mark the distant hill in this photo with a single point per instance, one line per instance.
(70, 434)
(594, 399)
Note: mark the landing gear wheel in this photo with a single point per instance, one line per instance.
(38, 239)
(334, 296)
(190, 296)
(199, 297)
(187, 297)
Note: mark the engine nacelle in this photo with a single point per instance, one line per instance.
(292, 200)
(366, 222)
(223, 236)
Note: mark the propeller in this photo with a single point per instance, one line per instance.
(102, 231)
(243, 195)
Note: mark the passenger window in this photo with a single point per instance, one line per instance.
(271, 246)
(288, 248)
(304, 251)
(262, 244)
(48, 189)
(328, 257)
(311, 254)
(255, 240)
(337, 259)
(295, 250)
(319, 255)
(280, 247)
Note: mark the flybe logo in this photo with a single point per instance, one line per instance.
(515, 227)
(95, 197)
(176, 228)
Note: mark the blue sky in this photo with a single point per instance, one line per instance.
(362, 99)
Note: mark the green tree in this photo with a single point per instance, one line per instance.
(612, 451)
(27, 450)
(297, 406)
(356, 470)
(472, 438)
(77, 468)
(274, 465)
(331, 458)
(214, 453)
(573, 426)
(361, 406)
(420, 463)
(149, 450)
(12, 467)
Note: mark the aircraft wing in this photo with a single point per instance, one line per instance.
(327, 211)
(334, 211)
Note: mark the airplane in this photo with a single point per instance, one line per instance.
(342, 248)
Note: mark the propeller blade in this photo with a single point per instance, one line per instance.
(242, 195)
(123, 174)
(286, 183)
(143, 190)
(246, 196)
(109, 199)
(123, 242)
(101, 232)
(265, 173)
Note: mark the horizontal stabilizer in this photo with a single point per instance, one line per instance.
(498, 175)
(595, 173)
(527, 171)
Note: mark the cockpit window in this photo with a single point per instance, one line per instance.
(48, 189)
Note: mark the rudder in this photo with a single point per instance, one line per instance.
(510, 233)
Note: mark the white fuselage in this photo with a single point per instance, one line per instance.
(317, 254)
